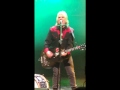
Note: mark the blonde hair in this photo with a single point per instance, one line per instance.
(66, 17)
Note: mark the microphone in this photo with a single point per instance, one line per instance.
(60, 21)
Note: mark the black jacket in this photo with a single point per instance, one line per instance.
(53, 37)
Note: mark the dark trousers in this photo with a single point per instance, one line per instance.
(69, 67)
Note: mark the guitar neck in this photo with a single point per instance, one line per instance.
(72, 49)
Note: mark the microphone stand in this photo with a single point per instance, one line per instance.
(60, 42)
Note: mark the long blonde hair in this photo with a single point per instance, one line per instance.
(66, 17)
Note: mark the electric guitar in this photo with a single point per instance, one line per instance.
(48, 63)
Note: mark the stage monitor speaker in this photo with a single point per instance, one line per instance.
(41, 89)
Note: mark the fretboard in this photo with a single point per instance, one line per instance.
(72, 49)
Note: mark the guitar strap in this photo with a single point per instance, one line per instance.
(72, 33)
(73, 36)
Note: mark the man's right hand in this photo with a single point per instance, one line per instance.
(49, 54)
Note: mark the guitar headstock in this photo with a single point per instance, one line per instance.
(80, 47)
(83, 46)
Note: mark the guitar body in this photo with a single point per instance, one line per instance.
(48, 63)
(45, 62)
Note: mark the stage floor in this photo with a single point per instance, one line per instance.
(62, 88)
